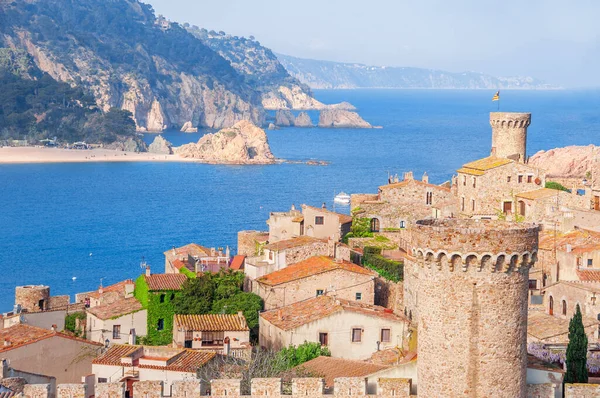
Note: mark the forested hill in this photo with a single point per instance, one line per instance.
(337, 75)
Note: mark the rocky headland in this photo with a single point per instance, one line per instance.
(243, 143)
(284, 118)
(568, 162)
(295, 98)
(160, 146)
(337, 118)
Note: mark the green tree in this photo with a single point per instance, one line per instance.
(229, 283)
(556, 185)
(361, 228)
(249, 303)
(196, 296)
(576, 359)
(293, 356)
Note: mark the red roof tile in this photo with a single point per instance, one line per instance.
(581, 241)
(344, 218)
(189, 361)
(118, 288)
(191, 249)
(238, 263)
(329, 368)
(116, 309)
(309, 267)
(113, 355)
(308, 311)
(165, 281)
(212, 322)
(406, 183)
(293, 242)
(21, 335)
(589, 275)
(178, 264)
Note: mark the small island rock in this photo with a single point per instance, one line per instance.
(243, 143)
(338, 118)
(161, 146)
(284, 118)
(303, 120)
(188, 128)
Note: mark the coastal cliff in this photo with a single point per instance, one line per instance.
(570, 161)
(243, 143)
(336, 118)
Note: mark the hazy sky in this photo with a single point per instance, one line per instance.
(557, 41)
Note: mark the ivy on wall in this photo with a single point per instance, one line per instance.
(187, 272)
(388, 269)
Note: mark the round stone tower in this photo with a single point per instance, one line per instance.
(32, 298)
(509, 134)
(472, 306)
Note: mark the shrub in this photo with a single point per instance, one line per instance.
(71, 323)
(293, 356)
(556, 185)
(388, 269)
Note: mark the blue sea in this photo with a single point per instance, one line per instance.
(96, 221)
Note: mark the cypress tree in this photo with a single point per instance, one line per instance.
(577, 351)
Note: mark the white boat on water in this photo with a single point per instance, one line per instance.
(342, 198)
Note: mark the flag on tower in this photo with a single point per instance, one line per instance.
(496, 96)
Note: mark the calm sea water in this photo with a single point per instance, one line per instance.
(96, 221)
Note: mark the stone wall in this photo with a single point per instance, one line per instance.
(247, 241)
(582, 390)
(389, 294)
(296, 254)
(29, 297)
(36, 391)
(541, 390)
(509, 134)
(71, 391)
(55, 302)
(472, 287)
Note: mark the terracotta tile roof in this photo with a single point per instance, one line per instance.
(589, 275)
(298, 219)
(485, 164)
(344, 218)
(293, 242)
(165, 281)
(329, 368)
(308, 311)
(177, 264)
(581, 240)
(238, 262)
(405, 183)
(113, 355)
(212, 322)
(118, 288)
(115, 309)
(543, 326)
(309, 267)
(541, 193)
(186, 360)
(21, 335)
(191, 249)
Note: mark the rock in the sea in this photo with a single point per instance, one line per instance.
(296, 98)
(272, 127)
(188, 128)
(244, 143)
(160, 146)
(342, 119)
(284, 118)
(303, 120)
(570, 161)
(129, 144)
(343, 105)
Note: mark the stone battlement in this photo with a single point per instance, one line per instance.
(510, 119)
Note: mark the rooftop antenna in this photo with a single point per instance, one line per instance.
(143, 263)
(101, 279)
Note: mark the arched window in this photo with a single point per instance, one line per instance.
(564, 308)
(551, 306)
(402, 224)
(374, 225)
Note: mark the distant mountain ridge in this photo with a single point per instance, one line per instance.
(338, 75)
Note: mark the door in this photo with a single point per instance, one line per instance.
(596, 202)
(551, 306)
(507, 207)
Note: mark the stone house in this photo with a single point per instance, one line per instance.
(325, 224)
(223, 333)
(107, 294)
(545, 205)
(196, 258)
(117, 322)
(350, 329)
(278, 255)
(284, 225)
(488, 187)
(156, 293)
(316, 276)
(48, 352)
(571, 256)
(399, 204)
(132, 363)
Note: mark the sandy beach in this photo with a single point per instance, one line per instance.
(59, 155)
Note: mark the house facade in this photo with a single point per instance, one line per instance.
(195, 258)
(116, 322)
(350, 329)
(316, 276)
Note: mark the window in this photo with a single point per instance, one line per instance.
(212, 338)
(319, 220)
(116, 332)
(590, 262)
(189, 338)
(356, 335)
(358, 296)
(385, 335)
(474, 182)
(172, 296)
(374, 225)
(270, 255)
(579, 261)
(472, 204)
(462, 204)
(402, 224)
(530, 179)
(319, 292)
(508, 179)
(323, 338)
(102, 380)
(464, 180)
(533, 284)
(564, 308)
(428, 198)
(551, 306)
(162, 298)
(520, 179)
(161, 324)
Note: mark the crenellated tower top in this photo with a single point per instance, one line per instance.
(509, 135)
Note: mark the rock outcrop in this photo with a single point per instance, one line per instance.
(337, 118)
(272, 127)
(297, 99)
(161, 146)
(284, 118)
(570, 161)
(188, 128)
(128, 144)
(303, 120)
(244, 143)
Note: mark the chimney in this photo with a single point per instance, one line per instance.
(147, 270)
(227, 252)
(293, 207)
(408, 176)
(323, 206)
(53, 328)
(212, 251)
(279, 315)
(100, 289)
(132, 337)
(7, 343)
(174, 251)
(4, 368)
(425, 178)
